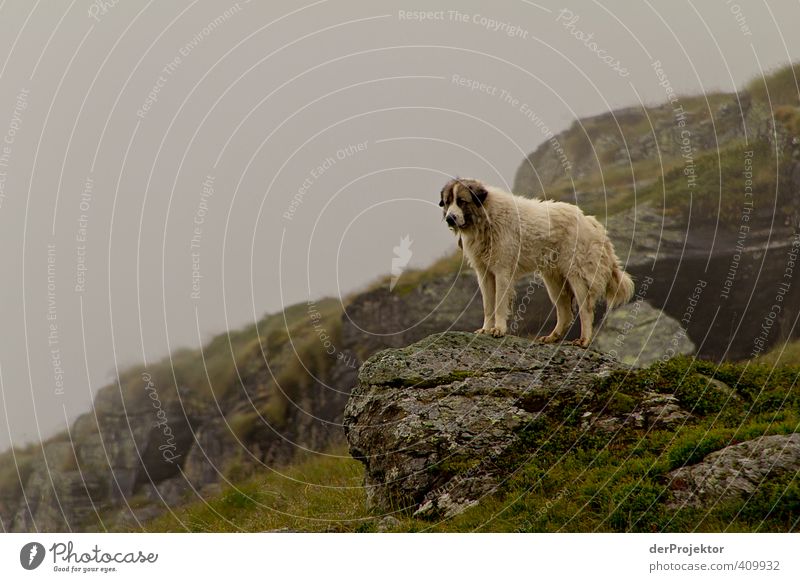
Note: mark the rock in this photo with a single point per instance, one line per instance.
(639, 335)
(713, 264)
(718, 387)
(216, 447)
(434, 422)
(655, 411)
(167, 493)
(387, 523)
(735, 471)
(662, 411)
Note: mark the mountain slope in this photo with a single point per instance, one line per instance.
(201, 421)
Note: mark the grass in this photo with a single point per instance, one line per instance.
(560, 477)
(576, 481)
(719, 183)
(612, 191)
(784, 354)
(609, 187)
(318, 493)
(718, 188)
(781, 84)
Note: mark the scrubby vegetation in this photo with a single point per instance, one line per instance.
(622, 175)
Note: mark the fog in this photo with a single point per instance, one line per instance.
(170, 170)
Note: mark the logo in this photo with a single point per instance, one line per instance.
(402, 254)
(31, 555)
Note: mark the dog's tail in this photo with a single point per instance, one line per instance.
(620, 287)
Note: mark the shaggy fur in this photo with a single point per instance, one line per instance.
(505, 236)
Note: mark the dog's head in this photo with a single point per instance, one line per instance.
(462, 203)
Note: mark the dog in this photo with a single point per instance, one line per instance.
(505, 236)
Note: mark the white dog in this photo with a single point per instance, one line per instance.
(506, 236)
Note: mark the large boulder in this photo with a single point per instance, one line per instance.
(437, 424)
(639, 335)
(736, 471)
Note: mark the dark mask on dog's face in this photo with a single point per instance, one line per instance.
(462, 202)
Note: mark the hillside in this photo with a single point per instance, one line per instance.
(612, 473)
(221, 432)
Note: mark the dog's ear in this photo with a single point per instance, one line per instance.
(479, 194)
(441, 198)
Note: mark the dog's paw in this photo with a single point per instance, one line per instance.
(481, 330)
(497, 332)
(580, 342)
(548, 339)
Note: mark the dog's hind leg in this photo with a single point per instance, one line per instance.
(586, 304)
(561, 295)
(486, 283)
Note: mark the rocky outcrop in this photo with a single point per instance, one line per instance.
(147, 446)
(632, 134)
(735, 472)
(692, 216)
(437, 423)
(638, 335)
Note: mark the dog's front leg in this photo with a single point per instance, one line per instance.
(502, 299)
(487, 286)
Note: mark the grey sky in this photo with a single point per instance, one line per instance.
(128, 123)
